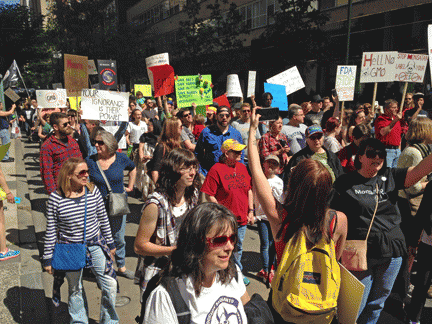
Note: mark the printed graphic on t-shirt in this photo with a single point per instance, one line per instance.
(224, 311)
(236, 181)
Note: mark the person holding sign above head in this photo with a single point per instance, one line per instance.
(417, 111)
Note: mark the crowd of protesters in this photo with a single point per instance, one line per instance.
(235, 170)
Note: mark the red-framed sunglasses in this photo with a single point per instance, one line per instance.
(221, 240)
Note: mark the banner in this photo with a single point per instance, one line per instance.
(107, 74)
(91, 66)
(51, 98)
(194, 89)
(104, 105)
(163, 79)
(144, 88)
(155, 60)
(378, 67)
(278, 92)
(75, 74)
(430, 48)
(233, 88)
(74, 102)
(12, 95)
(290, 78)
(11, 75)
(345, 82)
(410, 67)
(251, 84)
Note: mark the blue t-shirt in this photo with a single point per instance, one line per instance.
(114, 173)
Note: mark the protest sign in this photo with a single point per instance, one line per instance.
(430, 48)
(104, 105)
(3, 150)
(107, 74)
(345, 82)
(12, 95)
(56, 86)
(113, 129)
(194, 89)
(155, 60)
(290, 78)
(75, 74)
(144, 88)
(233, 88)
(222, 101)
(251, 84)
(163, 79)
(410, 67)
(378, 67)
(201, 110)
(278, 92)
(74, 102)
(51, 98)
(91, 66)
(350, 297)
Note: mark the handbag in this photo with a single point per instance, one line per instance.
(258, 311)
(117, 202)
(71, 256)
(354, 255)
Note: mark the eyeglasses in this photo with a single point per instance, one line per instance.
(186, 115)
(221, 240)
(188, 169)
(371, 154)
(100, 143)
(316, 137)
(82, 173)
(65, 124)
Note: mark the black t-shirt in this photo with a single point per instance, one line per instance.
(312, 118)
(356, 197)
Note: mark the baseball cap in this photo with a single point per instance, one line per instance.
(272, 157)
(232, 144)
(313, 130)
(317, 98)
(211, 109)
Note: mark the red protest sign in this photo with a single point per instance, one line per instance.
(222, 101)
(163, 78)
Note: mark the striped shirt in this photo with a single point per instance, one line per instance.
(66, 215)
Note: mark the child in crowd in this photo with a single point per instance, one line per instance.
(271, 166)
(140, 100)
(199, 121)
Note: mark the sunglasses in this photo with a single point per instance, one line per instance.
(100, 143)
(186, 115)
(246, 111)
(224, 115)
(83, 173)
(316, 137)
(221, 240)
(371, 154)
(65, 124)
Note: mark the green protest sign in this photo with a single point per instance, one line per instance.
(194, 88)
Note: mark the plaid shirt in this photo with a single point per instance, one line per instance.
(52, 155)
(268, 144)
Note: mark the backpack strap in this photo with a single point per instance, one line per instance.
(180, 306)
(333, 222)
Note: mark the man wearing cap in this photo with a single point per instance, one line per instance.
(316, 151)
(295, 130)
(228, 183)
(389, 131)
(315, 115)
(208, 147)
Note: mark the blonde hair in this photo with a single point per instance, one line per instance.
(63, 181)
(419, 129)
(199, 119)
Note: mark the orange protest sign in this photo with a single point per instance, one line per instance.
(75, 74)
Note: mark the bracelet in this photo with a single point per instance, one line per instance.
(251, 210)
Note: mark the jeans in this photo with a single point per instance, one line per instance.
(5, 138)
(392, 157)
(241, 233)
(266, 239)
(378, 281)
(118, 226)
(78, 309)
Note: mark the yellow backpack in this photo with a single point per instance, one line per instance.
(306, 286)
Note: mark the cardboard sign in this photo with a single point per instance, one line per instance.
(57, 86)
(104, 105)
(194, 89)
(163, 79)
(345, 82)
(51, 98)
(290, 78)
(410, 67)
(278, 92)
(350, 297)
(4, 149)
(378, 67)
(12, 95)
(430, 48)
(74, 102)
(233, 88)
(91, 66)
(155, 60)
(144, 88)
(75, 74)
(113, 129)
(107, 74)
(251, 84)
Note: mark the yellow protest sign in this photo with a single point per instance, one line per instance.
(144, 88)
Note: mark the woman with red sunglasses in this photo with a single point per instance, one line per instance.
(204, 269)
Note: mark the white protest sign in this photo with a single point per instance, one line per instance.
(12, 95)
(430, 48)
(251, 83)
(410, 67)
(290, 78)
(233, 86)
(92, 68)
(350, 297)
(378, 67)
(155, 60)
(345, 82)
(104, 105)
(51, 98)
(113, 129)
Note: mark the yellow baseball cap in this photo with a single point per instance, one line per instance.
(233, 145)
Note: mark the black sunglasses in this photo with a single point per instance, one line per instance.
(186, 115)
(100, 143)
(371, 154)
(315, 137)
(65, 124)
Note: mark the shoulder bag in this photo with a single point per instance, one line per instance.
(71, 256)
(117, 202)
(354, 255)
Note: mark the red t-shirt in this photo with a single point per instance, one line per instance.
(197, 131)
(392, 138)
(230, 187)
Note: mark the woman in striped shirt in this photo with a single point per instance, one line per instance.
(65, 224)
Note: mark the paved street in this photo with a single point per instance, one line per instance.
(25, 291)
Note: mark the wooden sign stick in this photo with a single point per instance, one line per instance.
(403, 96)
(374, 94)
